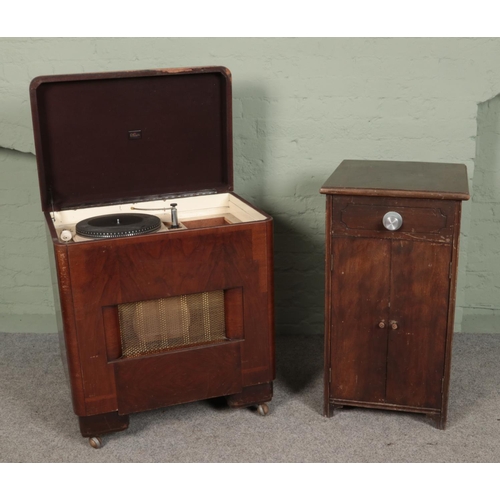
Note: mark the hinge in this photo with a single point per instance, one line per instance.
(450, 270)
(188, 194)
(52, 206)
(442, 385)
(331, 262)
(329, 375)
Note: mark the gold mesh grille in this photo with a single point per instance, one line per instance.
(157, 325)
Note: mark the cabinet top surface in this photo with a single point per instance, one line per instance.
(396, 178)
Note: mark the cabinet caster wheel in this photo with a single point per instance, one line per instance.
(95, 442)
(263, 409)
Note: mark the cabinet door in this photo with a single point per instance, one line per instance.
(419, 304)
(360, 301)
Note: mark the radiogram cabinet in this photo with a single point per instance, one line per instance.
(392, 231)
(158, 315)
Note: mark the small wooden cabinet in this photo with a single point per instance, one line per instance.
(392, 231)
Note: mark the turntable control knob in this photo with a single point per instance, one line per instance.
(66, 235)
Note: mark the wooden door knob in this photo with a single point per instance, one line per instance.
(394, 325)
(382, 324)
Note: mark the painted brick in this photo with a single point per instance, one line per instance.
(300, 107)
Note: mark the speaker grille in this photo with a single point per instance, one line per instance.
(157, 325)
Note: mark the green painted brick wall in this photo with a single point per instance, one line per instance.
(482, 288)
(26, 297)
(300, 107)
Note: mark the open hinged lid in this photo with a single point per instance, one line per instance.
(105, 138)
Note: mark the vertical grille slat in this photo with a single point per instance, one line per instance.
(184, 320)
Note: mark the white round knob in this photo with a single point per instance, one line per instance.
(66, 235)
(392, 221)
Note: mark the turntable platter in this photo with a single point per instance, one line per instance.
(118, 225)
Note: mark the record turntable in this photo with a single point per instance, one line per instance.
(164, 274)
(117, 225)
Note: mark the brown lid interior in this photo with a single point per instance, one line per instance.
(107, 138)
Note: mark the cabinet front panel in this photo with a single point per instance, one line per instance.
(360, 302)
(425, 220)
(178, 377)
(419, 305)
(107, 274)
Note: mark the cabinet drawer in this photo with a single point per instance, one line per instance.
(432, 220)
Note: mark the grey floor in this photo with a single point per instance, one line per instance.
(37, 423)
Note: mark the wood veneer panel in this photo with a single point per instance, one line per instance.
(149, 382)
(399, 178)
(419, 302)
(424, 220)
(124, 270)
(233, 310)
(209, 222)
(71, 352)
(451, 316)
(360, 301)
(95, 277)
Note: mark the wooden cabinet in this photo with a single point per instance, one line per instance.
(179, 314)
(391, 259)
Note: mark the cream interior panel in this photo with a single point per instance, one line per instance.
(224, 205)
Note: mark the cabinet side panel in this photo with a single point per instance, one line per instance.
(420, 285)
(328, 306)
(269, 258)
(95, 276)
(71, 354)
(451, 313)
(360, 302)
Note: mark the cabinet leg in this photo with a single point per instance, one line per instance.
(95, 425)
(439, 420)
(254, 395)
(328, 410)
(331, 409)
